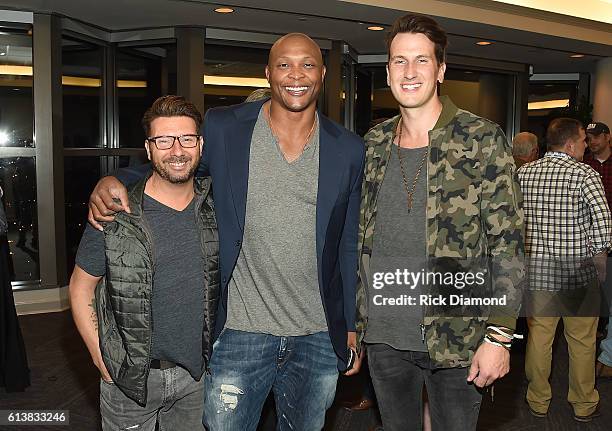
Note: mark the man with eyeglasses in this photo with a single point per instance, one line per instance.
(149, 328)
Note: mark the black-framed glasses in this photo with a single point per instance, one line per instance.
(166, 142)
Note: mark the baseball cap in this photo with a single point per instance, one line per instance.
(597, 128)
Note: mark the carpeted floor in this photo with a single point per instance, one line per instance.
(64, 378)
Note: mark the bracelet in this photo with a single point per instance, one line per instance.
(491, 340)
(505, 332)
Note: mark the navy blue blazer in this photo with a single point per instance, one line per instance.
(227, 135)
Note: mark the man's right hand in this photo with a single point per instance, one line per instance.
(102, 204)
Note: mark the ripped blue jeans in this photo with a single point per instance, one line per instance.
(300, 371)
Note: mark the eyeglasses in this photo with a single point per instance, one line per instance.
(166, 142)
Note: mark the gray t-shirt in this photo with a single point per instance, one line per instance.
(177, 302)
(274, 287)
(399, 243)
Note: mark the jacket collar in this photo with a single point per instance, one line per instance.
(449, 111)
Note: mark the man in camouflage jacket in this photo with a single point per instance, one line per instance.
(473, 210)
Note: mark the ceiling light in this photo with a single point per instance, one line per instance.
(224, 10)
(236, 81)
(484, 43)
(577, 55)
(9, 69)
(548, 104)
(375, 28)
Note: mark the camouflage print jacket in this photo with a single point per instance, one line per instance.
(474, 210)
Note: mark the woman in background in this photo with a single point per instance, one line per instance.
(14, 372)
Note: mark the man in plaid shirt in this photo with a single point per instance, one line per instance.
(567, 236)
(600, 159)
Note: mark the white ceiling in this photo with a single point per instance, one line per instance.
(326, 19)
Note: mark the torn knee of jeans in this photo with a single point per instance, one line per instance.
(229, 396)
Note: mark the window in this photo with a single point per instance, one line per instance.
(228, 81)
(18, 181)
(16, 103)
(143, 75)
(81, 174)
(82, 79)
(18, 171)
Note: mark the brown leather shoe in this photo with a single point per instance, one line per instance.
(362, 404)
(602, 370)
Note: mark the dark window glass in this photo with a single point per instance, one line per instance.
(549, 100)
(82, 76)
(484, 93)
(16, 103)
(18, 181)
(81, 175)
(222, 64)
(383, 105)
(143, 75)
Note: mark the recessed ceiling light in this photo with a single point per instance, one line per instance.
(484, 43)
(302, 18)
(224, 10)
(577, 55)
(375, 28)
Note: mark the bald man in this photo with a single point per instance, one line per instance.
(524, 148)
(286, 185)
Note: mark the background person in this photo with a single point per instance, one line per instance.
(568, 224)
(598, 139)
(525, 148)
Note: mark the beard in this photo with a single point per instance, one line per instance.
(160, 168)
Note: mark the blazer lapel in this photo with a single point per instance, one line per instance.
(330, 177)
(238, 150)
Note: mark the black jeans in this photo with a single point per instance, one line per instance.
(398, 377)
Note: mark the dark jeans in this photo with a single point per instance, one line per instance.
(174, 403)
(398, 377)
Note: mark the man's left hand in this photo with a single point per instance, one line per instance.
(489, 364)
(351, 343)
